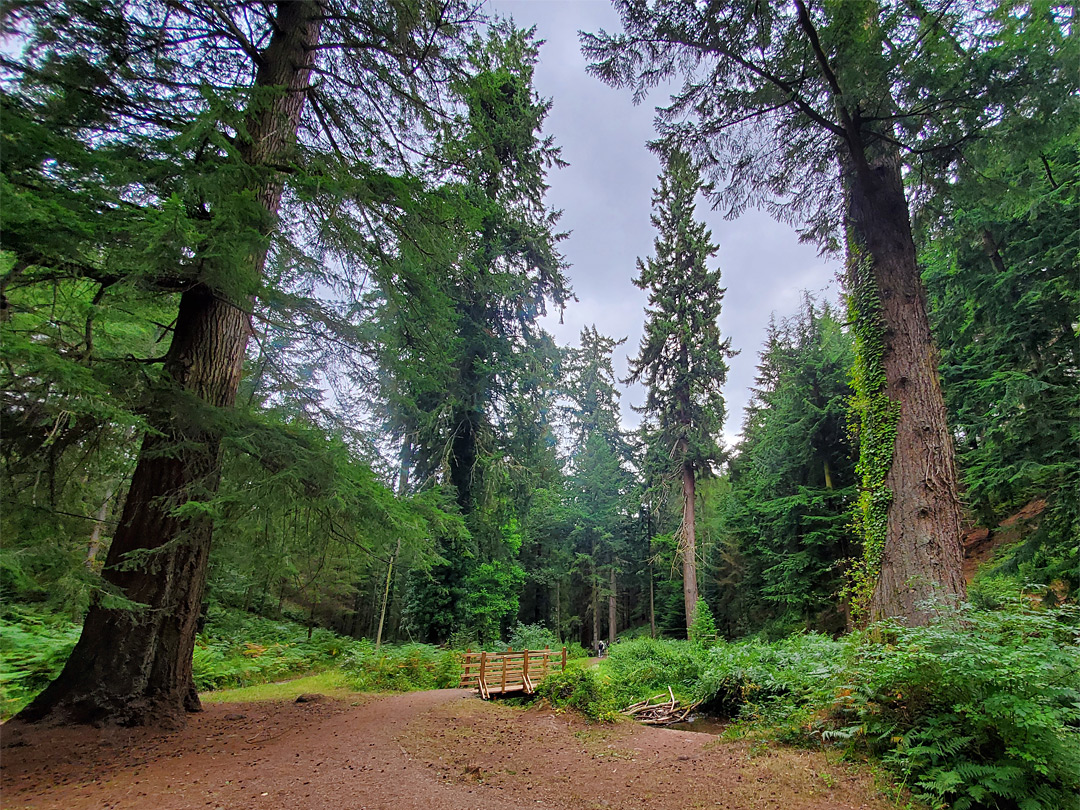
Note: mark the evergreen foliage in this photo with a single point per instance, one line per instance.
(1000, 248)
(682, 359)
(793, 479)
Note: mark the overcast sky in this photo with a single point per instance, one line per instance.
(606, 196)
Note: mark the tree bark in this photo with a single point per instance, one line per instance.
(922, 555)
(612, 611)
(689, 546)
(134, 666)
(652, 603)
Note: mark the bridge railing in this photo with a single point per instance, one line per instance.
(500, 673)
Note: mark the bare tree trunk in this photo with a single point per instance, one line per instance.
(594, 598)
(386, 594)
(922, 556)
(652, 603)
(94, 546)
(612, 612)
(689, 546)
(133, 666)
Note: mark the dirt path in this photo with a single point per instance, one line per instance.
(442, 750)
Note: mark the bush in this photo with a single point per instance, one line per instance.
(777, 682)
(33, 649)
(644, 667)
(580, 689)
(402, 668)
(980, 709)
(533, 637)
(239, 649)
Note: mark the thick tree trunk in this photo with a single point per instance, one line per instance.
(133, 666)
(689, 545)
(922, 556)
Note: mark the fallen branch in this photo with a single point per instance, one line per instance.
(650, 712)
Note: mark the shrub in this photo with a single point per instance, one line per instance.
(980, 709)
(533, 637)
(574, 650)
(33, 649)
(644, 667)
(401, 668)
(777, 682)
(580, 689)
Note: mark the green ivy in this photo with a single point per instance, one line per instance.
(874, 419)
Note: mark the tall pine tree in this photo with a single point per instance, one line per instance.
(682, 358)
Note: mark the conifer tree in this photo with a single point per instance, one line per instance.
(181, 132)
(682, 358)
(793, 476)
(453, 391)
(600, 483)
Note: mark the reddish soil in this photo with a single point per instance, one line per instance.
(442, 750)
(981, 544)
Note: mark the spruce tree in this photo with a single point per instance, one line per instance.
(682, 358)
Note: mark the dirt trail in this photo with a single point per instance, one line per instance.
(442, 750)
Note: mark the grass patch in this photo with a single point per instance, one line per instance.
(332, 683)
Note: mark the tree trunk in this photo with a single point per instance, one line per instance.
(922, 555)
(689, 546)
(612, 612)
(652, 603)
(133, 666)
(94, 546)
(594, 599)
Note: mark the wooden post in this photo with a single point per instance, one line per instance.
(482, 683)
(504, 676)
(564, 659)
(525, 672)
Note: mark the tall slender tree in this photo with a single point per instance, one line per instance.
(682, 358)
(458, 388)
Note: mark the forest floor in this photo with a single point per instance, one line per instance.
(442, 750)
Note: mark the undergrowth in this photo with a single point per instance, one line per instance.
(581, 689)
(33, 649)
(239, 649)
(981, 709)
(235, 650)
(402, 668)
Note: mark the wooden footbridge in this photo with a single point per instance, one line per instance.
(501, 673)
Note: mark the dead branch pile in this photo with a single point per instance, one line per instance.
(658, 712)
